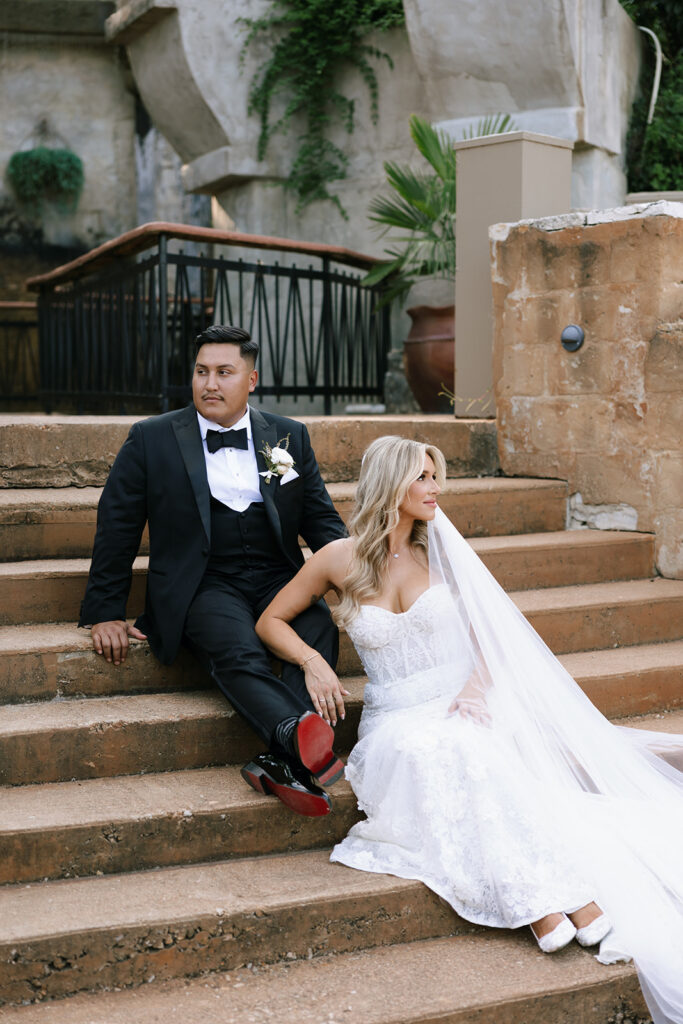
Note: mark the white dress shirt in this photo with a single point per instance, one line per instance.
(232, 472)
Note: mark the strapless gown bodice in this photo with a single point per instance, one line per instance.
(403, 655)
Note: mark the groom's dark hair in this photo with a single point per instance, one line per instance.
(226, 334)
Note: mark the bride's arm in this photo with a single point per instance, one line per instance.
(325, 570)
(471, 700)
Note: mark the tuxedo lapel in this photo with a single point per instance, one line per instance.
(264, 433)
(189, 440)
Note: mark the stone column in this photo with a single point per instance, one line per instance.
(508, 177)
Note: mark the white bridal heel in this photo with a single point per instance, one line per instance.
(559, 937)
(594, 932)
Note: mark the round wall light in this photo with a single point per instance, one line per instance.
(572, 337)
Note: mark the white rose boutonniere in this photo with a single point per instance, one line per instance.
(278, 459)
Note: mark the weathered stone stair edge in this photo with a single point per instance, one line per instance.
(58, 451)
(60, 522)
(184, 920)
(129, 823)
(494, 978)
(133, 823)
(44, 662)
(100, 737)
(565, 558)
(191, 919)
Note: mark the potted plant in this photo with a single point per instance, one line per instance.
(423, 209)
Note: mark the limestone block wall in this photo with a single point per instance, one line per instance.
(609, 417)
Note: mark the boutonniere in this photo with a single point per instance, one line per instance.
(278, 460)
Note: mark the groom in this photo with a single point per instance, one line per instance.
(224, 530)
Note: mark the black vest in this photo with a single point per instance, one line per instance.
(243, 542)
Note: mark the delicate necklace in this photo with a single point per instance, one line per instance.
(397, 553)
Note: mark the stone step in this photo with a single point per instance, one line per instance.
(598, 615)
(626, 681)
(56, 660)
(49, 590)
(71, 935)
(107, 826)
(51, 660)
(127, 823)
(102, 737)
(492, 978)
(567, 557)
(61, 451)
(49, 522)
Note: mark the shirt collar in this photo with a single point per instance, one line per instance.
(205, 424)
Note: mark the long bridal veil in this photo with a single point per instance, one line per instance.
(618, 790)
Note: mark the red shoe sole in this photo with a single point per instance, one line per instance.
(307, 804)
(313, 739)
(254, 780)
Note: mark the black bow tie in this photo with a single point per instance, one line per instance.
(216, 439)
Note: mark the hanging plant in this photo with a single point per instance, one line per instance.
(315, 42)
(43, 173)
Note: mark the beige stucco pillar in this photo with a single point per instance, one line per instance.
(508, 177)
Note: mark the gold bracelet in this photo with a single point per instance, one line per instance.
(310, 658)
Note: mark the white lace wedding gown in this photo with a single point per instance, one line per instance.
(545, 807)
(447, 802)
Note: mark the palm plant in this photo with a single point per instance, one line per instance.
(423, 207)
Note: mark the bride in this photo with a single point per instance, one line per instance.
(481, 766)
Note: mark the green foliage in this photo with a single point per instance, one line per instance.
(423, 205)
(314, 41)
(664, 17)
(654, 152)
(42, 173)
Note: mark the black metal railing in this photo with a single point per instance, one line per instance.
(19, 374)
(116, 327)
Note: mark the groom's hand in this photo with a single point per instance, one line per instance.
(111, 639)
(325, 690)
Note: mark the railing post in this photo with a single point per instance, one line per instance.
(163, 319)
(326, 320)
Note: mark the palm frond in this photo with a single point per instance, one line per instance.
(395, 212)
(492, 124)
(435, 147)
(422, 208)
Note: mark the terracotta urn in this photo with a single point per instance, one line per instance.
(429, 355)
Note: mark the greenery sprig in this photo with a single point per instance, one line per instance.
(43, 173)
(315, 40)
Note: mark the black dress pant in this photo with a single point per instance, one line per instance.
(219, 630)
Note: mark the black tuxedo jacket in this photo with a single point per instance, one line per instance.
(159, 477)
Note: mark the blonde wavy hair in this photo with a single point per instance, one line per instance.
(390, 465)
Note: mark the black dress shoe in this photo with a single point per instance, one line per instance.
(312, 741)
(267, 773)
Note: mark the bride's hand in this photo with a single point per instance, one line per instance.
(325, 690)
(471, 707)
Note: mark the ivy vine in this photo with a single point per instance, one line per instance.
(654, 152)
(315, 41)
(44, 173)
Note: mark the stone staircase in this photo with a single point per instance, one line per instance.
(141, 878)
